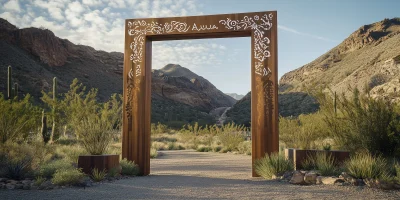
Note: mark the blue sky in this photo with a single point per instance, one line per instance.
(306, 29)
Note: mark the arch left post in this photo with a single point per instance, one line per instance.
(137, 100)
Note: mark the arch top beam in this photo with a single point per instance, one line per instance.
(139, 33)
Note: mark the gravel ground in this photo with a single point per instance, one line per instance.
(195, 175)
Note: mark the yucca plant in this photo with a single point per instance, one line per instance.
(96, 134)
(98, 175)
(365, 165)
(274, 164)
(323, 162)
(129, 168)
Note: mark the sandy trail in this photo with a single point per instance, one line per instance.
(195, 175)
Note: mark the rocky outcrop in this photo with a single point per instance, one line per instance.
(368, 53)
(179, 84)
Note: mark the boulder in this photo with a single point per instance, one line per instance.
(46, 185)
(331, 180)
(2, 185)
(297, 178)
(10, 186)
(310, 178)
(4, 180)
(19, 186)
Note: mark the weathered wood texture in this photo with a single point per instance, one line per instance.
(101, 162)
(139, 33)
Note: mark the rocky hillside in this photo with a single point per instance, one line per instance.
(37, 55)
(368, 59)
(182, 85)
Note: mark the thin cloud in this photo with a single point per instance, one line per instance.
(284, 28)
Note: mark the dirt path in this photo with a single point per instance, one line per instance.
(194, 175)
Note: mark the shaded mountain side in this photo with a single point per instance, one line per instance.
(368, 58)
(180, 84)
(37, 55)
(290, 104)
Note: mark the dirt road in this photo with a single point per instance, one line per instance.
(195, 175)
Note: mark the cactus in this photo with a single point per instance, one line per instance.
(9, 83)
(53, 128)
(45, 135)
(16, 90)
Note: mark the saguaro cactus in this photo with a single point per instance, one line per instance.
(9, 94)
(45, 135)
(53, 128)
(16, 90)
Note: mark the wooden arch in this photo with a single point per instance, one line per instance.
(139, 34)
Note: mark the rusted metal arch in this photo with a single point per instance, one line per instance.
(139, 34)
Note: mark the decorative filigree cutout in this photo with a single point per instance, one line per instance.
(259, 25)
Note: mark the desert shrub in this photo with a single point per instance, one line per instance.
(17, 118)
(245, 147)
(39, 180)
(175, 146)
(66, 141)
(376, 80)
(71, 153)
(362, 123)
(98, 175)
(113, 172)
(129, 168)
(365, 165)
(68, 177)
(16, 161)
(159, 145)
(153, 153)
(397, 168)
(303, 132)
(95, 133)
(49, 169)
(231, 136)
(158, 128)
(275, 164)
(323, 162)
(203, 148)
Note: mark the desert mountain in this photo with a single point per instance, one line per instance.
(182, 85)
(235, 96)
(37, 55)
(368, 59)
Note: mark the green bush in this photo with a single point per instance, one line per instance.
(303, 132)
(245, 147)
(96, 134)
(203, 148)
(323, 162)
(397, 168)
(68, 177)
(113, 172)
(231, 136)
(129, 168)
(98, 175)
(16, 161)
(365, 165)
(153, 153)
(49, 169)
(361, 122)
(17, 119)
(275, 164)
